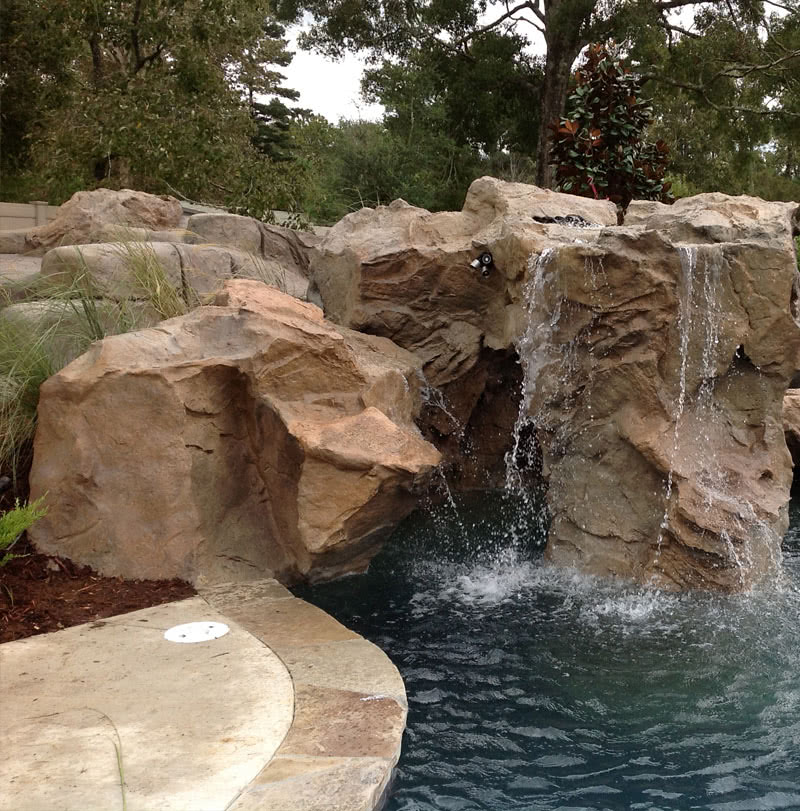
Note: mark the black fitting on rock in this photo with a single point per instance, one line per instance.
(483, 263)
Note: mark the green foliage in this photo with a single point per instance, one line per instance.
(153, 95)
(361, 163)
(469, 57)
(599, 148)
(482, 99)
(727, 100)
(14, 522)
(25, 363)
(151, 279)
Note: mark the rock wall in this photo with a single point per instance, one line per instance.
(656, 356)
(655, 379)
(244, 439)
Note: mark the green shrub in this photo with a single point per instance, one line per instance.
(14, 522)
(599, 148)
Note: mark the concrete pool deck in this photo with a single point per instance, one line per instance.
(289, 711)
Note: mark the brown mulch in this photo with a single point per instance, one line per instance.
(41, 593)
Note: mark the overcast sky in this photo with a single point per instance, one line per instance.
(332, 89)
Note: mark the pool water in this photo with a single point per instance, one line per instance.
(534, 688)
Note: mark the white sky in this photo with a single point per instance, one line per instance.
(331, 89)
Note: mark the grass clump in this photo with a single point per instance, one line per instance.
(59, 322)
(26, 361)
(151, 283)
(16, 521)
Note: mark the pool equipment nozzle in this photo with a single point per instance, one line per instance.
(483, 263)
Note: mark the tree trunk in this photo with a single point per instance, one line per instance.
(97, 60)
(565, 24)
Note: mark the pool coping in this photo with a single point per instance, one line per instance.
(316, 725)
(350, 705)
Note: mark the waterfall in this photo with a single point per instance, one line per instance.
(688, 257)
(534, 349)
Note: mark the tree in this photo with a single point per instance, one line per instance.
(152, 93)
(458, 26)
(599, 148)
(730, 122)
(363, 163)
(485, 100)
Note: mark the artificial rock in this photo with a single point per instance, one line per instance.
(791, 423)
(85, 217)
(124, 270)
(655, 356)
(246, 438)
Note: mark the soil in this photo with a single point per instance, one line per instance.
(41, 593)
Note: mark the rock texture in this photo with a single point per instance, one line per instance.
(244, 438)
(119, 271)
(404, 273)
(791, 423)
(85, 217)
(655, 373)
(656, 357)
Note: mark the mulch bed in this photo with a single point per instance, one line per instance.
(41, 593)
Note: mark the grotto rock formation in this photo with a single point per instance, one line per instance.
(656, 374)
(655, 356)
(245, 439)
(404, 273)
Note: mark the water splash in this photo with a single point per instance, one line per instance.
(434, 397)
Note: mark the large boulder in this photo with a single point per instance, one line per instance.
(404, 273)
(85, 217)
(246, 438)
(655, 373)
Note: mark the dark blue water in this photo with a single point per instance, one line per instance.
(532, 688)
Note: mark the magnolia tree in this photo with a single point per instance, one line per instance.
(598, 148)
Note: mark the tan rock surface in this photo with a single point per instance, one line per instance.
(704, 509)
(86, 215)
(656, 374)
(791, 423)
(195, 271)
(172, 451)
(404, 273)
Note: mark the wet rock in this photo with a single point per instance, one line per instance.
(245, 438)
(655, 376)
(656, 358)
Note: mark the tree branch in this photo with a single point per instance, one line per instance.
(150, 58)
(665, 5)
(137, 52)
(499, 21)
(742, 71)
(702, 91)
(668, 26)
